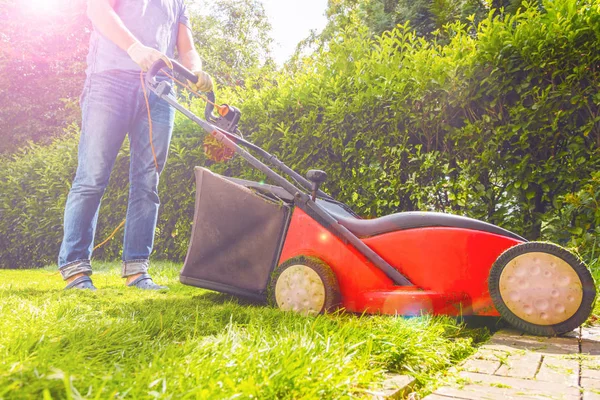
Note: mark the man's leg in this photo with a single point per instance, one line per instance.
(142, 209)
(106, 108)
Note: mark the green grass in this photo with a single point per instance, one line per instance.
(192, 343)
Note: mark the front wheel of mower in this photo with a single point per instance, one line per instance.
(305, 285)
(542, 288)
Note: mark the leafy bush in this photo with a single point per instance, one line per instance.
(503, 126)
(33, 189)
(579, 220)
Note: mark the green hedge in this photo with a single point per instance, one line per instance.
(503, 126)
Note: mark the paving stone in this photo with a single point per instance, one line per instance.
(590, 347)
(555, 341)
(482, 386)
(591, 333)
(590, 362)
(508, 332)
(590, 373)
(479, 392)
(482, 366)
(484, 353)
(394, 386)
(531, 367)
(588, 383)
(588, 395)
(590, 367)
(440, 397)
(520, 384)
(520, 365)
(545, 346)
(560, 370)
(590, 343)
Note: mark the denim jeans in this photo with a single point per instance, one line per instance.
(113, 106)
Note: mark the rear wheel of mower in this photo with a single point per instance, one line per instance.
(305, 285)
(542, 288)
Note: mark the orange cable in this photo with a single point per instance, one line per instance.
(149, 119)
(111, 236)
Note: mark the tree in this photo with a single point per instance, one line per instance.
(233, 38)
(42, 62)
(425, 16)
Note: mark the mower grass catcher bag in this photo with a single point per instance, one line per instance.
(236, 237)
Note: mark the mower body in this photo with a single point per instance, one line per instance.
(448, 266)
(244, 230)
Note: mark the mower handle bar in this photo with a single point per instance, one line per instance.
(181, 72)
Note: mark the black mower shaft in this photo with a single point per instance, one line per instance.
(305, 183)
(224, 138)
(348, 237)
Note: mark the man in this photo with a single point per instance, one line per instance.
(128, 37)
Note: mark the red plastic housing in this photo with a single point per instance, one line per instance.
(448, 267)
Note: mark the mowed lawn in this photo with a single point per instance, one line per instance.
(192, 343)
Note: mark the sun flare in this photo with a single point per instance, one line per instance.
(43, 6)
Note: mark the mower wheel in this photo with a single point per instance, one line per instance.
(305, 285)
(542, 288)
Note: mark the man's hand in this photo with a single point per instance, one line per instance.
(204, 83)
(191, 60)
(145, 56)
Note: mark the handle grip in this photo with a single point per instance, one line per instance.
(181, 72)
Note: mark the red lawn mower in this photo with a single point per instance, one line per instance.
(297, 247)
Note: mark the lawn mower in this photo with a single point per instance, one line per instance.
(293, 245)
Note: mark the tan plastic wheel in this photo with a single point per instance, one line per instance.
(541, 288)
(300, 289)
(305, 285)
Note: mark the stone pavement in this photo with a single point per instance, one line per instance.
(517, 366)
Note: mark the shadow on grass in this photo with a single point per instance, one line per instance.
(203, 298)
(493, 324)
(222, 298)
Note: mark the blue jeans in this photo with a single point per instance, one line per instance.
(113, 106)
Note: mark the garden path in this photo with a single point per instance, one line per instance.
(513, 365)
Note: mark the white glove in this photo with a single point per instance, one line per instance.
(145, 56)
(204, 84)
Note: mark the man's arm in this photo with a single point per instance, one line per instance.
(108, 23)
(187, 52)
(190, 58)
